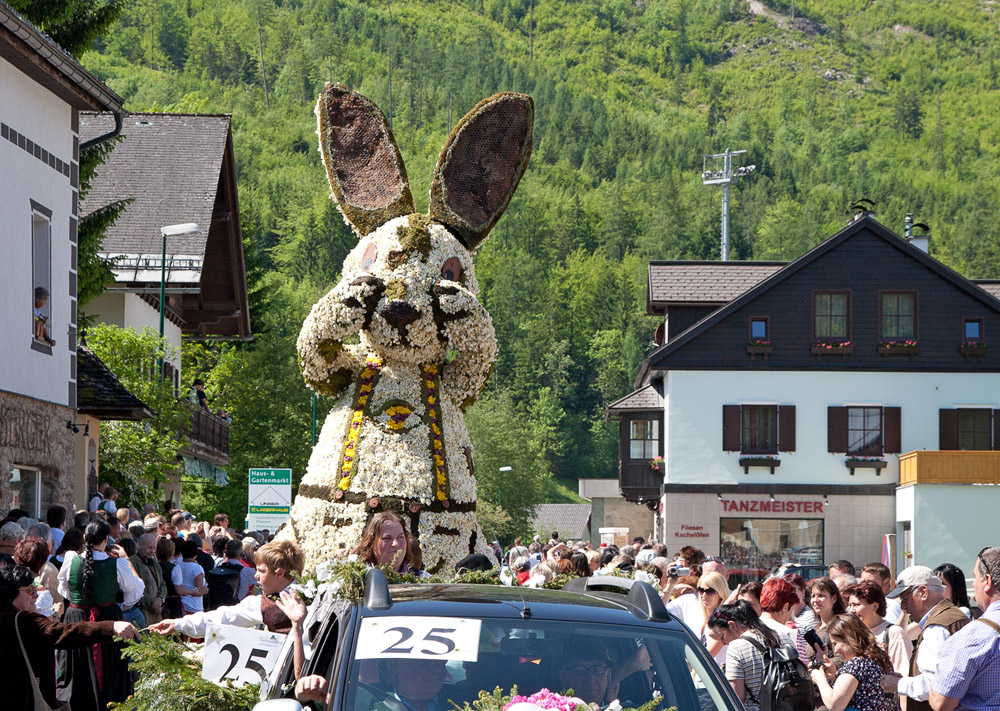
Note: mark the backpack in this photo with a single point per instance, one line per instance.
(786, 684)
(223, 585)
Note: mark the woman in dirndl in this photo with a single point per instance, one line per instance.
(93, 585)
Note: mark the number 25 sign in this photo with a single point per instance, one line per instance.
(245, 656)
(418, 638)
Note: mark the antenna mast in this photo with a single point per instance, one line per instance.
(717, 169)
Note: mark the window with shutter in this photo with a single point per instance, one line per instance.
(947, 429)
(760, 429)
(836, 435)
(975, 429)
(864, 430)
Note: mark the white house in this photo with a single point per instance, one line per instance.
(43, 90)
(784, 400)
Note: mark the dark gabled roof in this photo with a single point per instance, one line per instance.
(647, 398)
(570, 520)
(695, 282)
(176, 169)
(100, 394)
(867, 222)
(35, 54)
(169, 165)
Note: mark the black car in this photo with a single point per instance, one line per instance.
(606, 638)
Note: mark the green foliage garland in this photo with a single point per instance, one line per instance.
(170, 679)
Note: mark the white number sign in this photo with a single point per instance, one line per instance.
(245, 656)
(418, 638)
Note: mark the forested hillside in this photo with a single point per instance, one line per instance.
(835, 100)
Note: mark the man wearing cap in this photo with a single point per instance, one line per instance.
(921, 595)
(968, 672)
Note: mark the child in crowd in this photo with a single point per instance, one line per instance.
(276, 561)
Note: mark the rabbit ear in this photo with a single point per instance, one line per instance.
(481, 164)
(362, 160)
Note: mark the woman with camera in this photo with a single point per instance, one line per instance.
(857, 684)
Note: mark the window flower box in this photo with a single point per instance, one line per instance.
(759, 460)
(759, 347)
(823, 347)
(876, 463)
(893, 347)
(972, 349)
(656, 464)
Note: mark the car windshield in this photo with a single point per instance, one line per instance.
(408, 663)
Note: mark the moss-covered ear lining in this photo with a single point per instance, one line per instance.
(363, 164)
(481, 165)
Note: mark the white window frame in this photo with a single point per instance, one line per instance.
(18, 468)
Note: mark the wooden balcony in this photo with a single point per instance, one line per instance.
(639, 482)
(949, 467)
(208, 437)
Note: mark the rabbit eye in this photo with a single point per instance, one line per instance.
(452, 269)
(371, 254)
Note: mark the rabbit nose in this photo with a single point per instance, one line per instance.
(399, 313)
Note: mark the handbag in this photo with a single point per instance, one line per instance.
(40, 703)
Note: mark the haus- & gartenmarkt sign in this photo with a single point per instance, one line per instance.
(269, 498)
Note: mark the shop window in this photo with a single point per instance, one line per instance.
(864, 430)
(898, 315)
(973, 330)
(831, 315)
(26, 490)
(644, 440)
(758, 429)
(756, 545)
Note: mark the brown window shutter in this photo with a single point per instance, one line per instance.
(732, 431)
(891, 435)
(836, 432)
(786, 428)
(947, 429)
(996, 429)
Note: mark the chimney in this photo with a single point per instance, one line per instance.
(922, 240)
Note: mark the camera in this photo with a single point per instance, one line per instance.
(676, 571)
(815, 664)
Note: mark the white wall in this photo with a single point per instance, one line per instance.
(129, 310)
(40, 116)
(693, 419)
(950, 524)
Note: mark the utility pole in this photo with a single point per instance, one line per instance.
(717, 169)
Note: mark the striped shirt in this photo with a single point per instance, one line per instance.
(969, 665)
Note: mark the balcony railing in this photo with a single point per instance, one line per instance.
(949, 467)
(639, 480)
(209, 436)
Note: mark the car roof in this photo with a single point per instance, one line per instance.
(497, 601)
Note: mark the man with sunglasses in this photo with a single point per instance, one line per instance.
(922, 596)
(968, 675)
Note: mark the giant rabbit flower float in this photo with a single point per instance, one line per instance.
(401, 343)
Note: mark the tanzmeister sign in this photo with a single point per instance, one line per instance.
(751, 506)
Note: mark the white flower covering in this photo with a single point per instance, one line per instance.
(452, 331)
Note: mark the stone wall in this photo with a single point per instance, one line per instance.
(34, 434)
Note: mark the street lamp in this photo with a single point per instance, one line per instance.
(186, 228)
(502, 470)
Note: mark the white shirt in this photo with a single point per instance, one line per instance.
(689, 610)
(129, 583)
(893, 610)
(245, 613)
(95, 503)
(919, 687)
(786, 635)
(57, 536)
